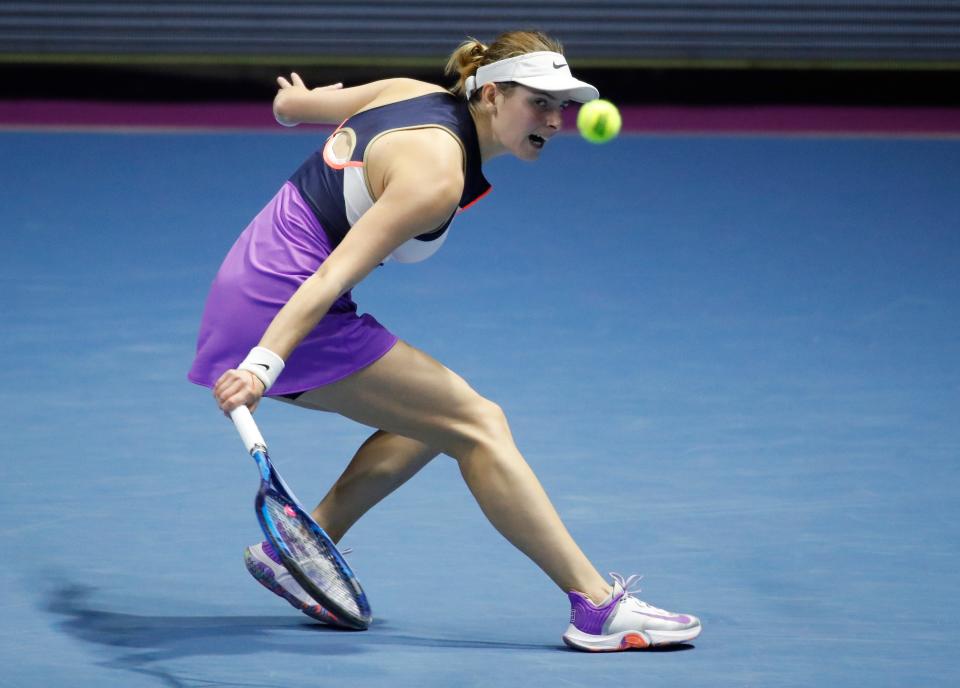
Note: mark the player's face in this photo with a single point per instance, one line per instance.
(526, 119)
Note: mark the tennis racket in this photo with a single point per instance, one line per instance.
(307, 552)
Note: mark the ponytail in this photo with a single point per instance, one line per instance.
(464, 62)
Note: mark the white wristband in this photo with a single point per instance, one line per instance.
(263, 363)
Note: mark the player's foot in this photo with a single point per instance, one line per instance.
(623, 622)
(265, 565)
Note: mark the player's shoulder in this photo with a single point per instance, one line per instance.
(425, 151)
(430, 153)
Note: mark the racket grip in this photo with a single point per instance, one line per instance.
(247, 427)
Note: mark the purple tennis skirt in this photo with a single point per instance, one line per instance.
(282, 247)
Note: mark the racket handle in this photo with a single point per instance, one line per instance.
(247, 427)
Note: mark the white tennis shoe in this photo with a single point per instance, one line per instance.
(264, 564)
(623, 621)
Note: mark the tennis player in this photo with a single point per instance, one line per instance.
(280, 319)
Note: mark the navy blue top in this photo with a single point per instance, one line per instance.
(322, 185)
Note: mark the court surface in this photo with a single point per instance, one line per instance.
(732, 361)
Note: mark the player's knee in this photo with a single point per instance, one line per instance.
(487, 424)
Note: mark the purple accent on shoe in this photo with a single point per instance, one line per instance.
(271, 552)
(264, 575)
(588, 617)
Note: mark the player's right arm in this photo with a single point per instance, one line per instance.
(422, 180)
(295, 103)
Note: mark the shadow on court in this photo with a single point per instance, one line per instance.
(147, 645)
(149, 641)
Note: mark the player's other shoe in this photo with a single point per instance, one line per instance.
(623, 622)
(265, 565)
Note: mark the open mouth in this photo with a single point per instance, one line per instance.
(537, 141)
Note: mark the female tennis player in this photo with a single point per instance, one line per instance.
(280, 319)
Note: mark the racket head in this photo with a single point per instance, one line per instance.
(308, 553)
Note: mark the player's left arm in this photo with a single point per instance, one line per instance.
(295, 103)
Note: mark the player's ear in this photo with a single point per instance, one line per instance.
(488, 96)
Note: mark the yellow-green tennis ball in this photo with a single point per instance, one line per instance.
(599, 121)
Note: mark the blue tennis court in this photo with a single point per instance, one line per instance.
(732, 361)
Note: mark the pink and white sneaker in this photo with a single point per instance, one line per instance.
(265, 565)
(623, 622)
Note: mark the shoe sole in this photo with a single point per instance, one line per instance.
(265, 577)
(626, 640)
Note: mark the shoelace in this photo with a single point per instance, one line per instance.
(628, 592)
(625, 584)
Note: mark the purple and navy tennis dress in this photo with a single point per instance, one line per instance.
(289, 239)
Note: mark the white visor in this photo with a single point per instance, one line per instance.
(543, 71)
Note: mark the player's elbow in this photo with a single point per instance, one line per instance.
(337, 280)
(283, 108)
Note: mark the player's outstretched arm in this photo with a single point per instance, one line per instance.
(296, 104)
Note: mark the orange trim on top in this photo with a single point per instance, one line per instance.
(470, 204)
(328, 157)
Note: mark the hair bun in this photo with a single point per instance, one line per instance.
(471, 54)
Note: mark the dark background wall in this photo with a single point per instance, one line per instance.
(671, 51)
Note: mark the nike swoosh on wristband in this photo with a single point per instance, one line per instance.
(263, 364)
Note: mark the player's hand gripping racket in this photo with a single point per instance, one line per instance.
(306, 551)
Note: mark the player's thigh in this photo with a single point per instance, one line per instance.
(410, 393)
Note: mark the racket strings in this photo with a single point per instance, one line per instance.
(311, 556)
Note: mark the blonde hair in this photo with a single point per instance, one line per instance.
(472, 54)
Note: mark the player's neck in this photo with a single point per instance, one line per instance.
(490, 147)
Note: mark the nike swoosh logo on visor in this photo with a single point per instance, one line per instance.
(559, 66)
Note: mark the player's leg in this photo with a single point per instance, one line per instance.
(409, 394)
(381, 465)
(413, 396)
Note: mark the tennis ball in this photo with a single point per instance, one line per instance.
(599, 121)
